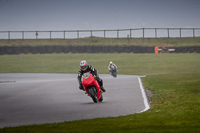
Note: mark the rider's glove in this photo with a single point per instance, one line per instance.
(96, 77)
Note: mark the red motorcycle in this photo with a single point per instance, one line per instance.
(91, 86)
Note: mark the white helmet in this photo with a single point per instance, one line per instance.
(111, 62)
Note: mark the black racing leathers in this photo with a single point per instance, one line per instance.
(92, 70)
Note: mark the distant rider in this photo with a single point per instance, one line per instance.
(88, 68)
(110, 65)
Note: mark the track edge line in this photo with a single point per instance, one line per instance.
(146, 101)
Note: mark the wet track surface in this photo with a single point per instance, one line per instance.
(27, 99)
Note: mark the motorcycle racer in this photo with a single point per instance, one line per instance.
(111, 64)
(88, 68)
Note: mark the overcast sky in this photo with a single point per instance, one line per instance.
(97, 14)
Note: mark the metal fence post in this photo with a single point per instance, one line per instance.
(36, 34)
(50, 34)
(155, 32)
(117, 33)
(143, 32)
(22, 34)
(168, 32)
(9, 35)
(193, 33)
(77, 34)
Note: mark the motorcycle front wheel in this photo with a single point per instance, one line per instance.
(101, 99)
(114, 74)
(93, 95)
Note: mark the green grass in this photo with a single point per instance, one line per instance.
(137, 64)
(177, 42)
(174, 80)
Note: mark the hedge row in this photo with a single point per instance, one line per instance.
(89, 49)
(74, 49)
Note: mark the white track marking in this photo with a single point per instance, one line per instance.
(146, 103)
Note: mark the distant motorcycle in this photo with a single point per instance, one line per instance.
(92, 87)
(113, 71)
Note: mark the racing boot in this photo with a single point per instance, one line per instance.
(101, 85)
(102, 89)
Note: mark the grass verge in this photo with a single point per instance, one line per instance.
(132, 64)
(174, 80)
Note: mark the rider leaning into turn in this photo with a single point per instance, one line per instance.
(88, 68)
(111, 64)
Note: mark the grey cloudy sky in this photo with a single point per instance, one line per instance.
(97, 14)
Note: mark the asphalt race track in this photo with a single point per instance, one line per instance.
(27, 99)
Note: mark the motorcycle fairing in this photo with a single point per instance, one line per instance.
(87, 81)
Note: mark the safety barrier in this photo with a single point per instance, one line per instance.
(74, 49)
(10, 50)
(186, 49)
